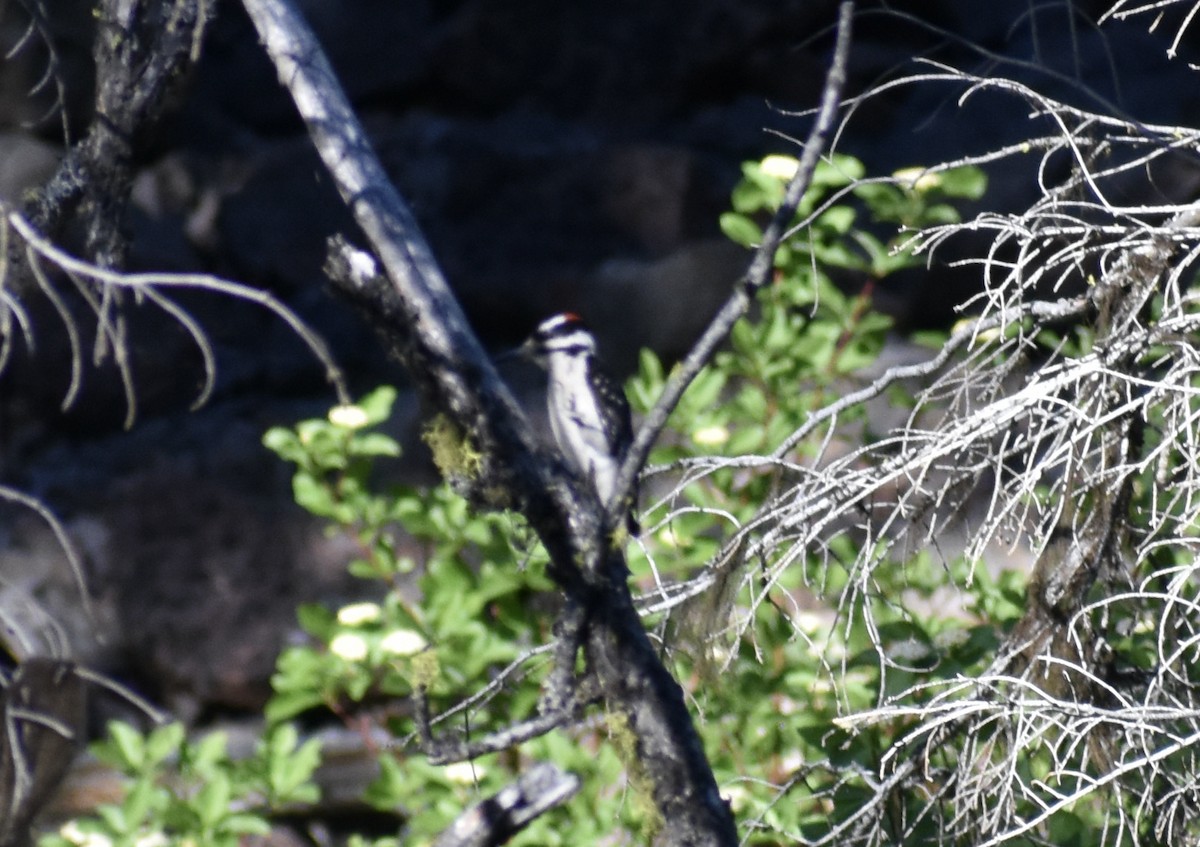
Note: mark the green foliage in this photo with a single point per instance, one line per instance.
(476, 577)
(788, 664)
(828, 231)
(468, 569)
(809, 336)
(810, 333)
(455, 601)
(182, 791)
(333, 459)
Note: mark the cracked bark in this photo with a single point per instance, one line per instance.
(143, 50)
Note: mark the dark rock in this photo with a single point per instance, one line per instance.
(558, 155)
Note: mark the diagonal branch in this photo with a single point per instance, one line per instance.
(499, 817)
(755, 277)
(414, 305)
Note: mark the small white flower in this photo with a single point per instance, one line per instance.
(357, 614)
(809, 622)
(918, 179)
(72, 832)
(465, 773)
(349, 417)
(780, 167)
(403, 642)
(349, 646)
(711, 436)
(670, 538)
(153, 839)
(791, 762)
(786, 706)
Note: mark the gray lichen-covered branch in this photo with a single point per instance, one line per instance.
(413, 306)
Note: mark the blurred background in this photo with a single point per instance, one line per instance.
(558, 156)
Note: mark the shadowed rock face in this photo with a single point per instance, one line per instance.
(559, 155)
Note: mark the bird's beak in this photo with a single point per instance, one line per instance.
(522, 352)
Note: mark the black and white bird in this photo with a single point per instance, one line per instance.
(589, 413)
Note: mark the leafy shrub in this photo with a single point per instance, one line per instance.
(458, 602)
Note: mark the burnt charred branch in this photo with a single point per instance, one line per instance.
(498, 818)
(143, 50)
(43, 715)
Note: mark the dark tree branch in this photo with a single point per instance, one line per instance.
(432, 337)
(500, 817)
(444, 752)
(557, 691)
(143, 50)
(42, 716)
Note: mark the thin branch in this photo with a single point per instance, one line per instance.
(757, 275)
(441, 752)
(41, 250)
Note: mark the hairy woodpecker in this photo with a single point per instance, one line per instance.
(589, 413)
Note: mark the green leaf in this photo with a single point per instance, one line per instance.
(837, 219)
(780, 334)
(885, 200)
(651, 376)
(740, 229)
(163, 742)
(374, 444)
(939, 214)
(313, 494)
(317, 620)
(748, 196)
(876, 250)
(967, 182)
(138, 803)
(114, 818)
(209, 752)
(324, 444)
(838, 170)
(128, 744)
(244, 823)
(295, 786)
(284, 443)
(706, 388)
(378, 404)
(289, 703)
(212, 800)
(932, 339)
(391, 787)
(280, 742)
(289, 767)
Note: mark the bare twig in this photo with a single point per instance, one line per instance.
(756, 276)
(1066, 406)
(42, 254)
